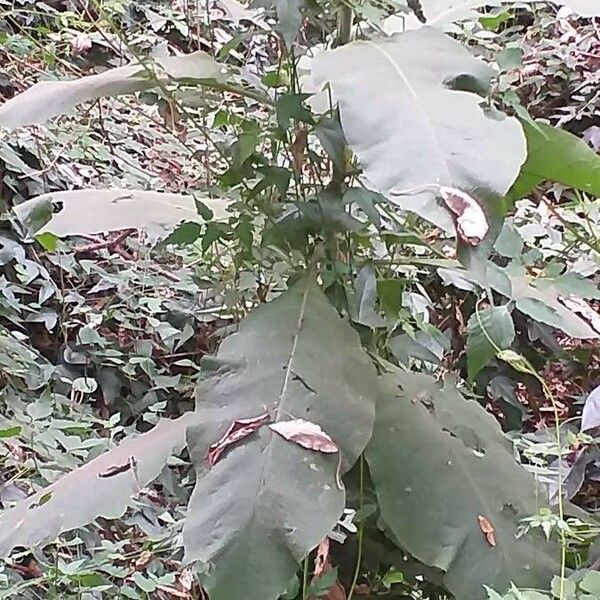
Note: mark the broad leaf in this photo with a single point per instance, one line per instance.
(450, 490)
(104, 487)
(408, 117)
(85, 212)
(268, 501)
(48, 99)
(557, 155)
(488, 331)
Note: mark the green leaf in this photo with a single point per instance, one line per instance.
(438, 463)
(86, 212)
(509, 58)
(509, 242)
(557, 155)
(48, 241)
(186, 233)
(289, 107)
(10, 432)
(103, 487)
(330, 134)
(267, 502)
(591, 583)
(397, 98)
(48, 99)
(289, 17)
(488, 330)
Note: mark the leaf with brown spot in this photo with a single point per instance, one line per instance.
(471, 224)
(306, 434)
(488, 530)
(238, 430)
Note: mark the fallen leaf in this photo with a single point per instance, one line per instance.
(306, 434)
(488, 530)
(471, 224)
(238, 430)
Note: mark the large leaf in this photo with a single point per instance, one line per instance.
(408, 118)
(48, 99)
(104, 487)
(439, 463)
(85, 212)
(488, 331)
(259, 510)
(557, 155)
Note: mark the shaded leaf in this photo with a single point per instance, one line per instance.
(488, 330)
(590, 417)
(105, 487)
(472, 464)
(268, 502)
(48, 99)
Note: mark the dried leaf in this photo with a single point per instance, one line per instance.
(306, 434)
(471, 223)
(238, 430)
(322, 557)
(116, 469)
(297, 149)
(488, 530)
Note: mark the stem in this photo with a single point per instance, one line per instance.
(361, 529)
(345, 17)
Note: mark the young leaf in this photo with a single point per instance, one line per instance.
(427, 433)
(105, 487)
(488, 330)
(267, 502)
(403, 101)
(48, 99)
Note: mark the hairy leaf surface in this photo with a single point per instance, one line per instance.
(104, 487)
(267, 502)
(439, 463)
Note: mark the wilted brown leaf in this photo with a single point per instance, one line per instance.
(239, 429)
(488, 530)
(306, 434)
(471, 224)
